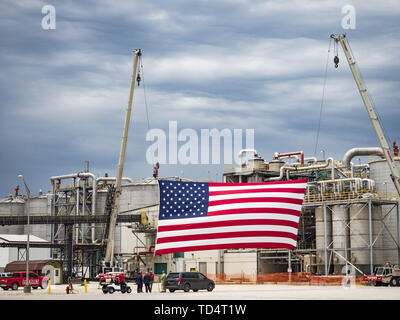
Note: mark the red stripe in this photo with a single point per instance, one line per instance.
(344, 45)
(255, 210)
(269, 245)
(263, 199)
(223, 235)
(290, 190)
(214, 224)
(222, 184)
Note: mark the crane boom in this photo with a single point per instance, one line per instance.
(114, 213)
(395, 175)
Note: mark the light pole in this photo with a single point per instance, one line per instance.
(27, 288)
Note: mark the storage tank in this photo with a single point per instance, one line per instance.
(12, 206)
(101, 197)
(275, 165)
(359, 236)
(39, 206)
(377, 225)
(256, 163)
(319, 236)
(134, 197)
(380, 172)
(340, 236)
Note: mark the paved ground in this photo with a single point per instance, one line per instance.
(221, 292)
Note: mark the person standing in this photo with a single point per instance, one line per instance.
(139, 282)
(163, 278)
(151, 280)
(146, 280)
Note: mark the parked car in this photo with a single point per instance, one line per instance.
(18, 279)
(188, 281)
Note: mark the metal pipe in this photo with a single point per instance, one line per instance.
(94, 198)
(318, 166)
(81, 175)
(280, 177)
(325, 242)
(398, 232)
(113, 179)
(280, 155)
(371, 253)
(369, 151)
(78, 181)
(241, 154)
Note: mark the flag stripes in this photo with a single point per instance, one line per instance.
(205, 216)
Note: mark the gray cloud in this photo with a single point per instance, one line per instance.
(222, 64)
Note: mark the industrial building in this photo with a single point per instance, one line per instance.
(350, 216)
(349, 220)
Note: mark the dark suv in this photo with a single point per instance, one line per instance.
(188, 281)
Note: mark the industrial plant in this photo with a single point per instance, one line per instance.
(349, 220)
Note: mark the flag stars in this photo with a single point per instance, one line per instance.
(180, 200)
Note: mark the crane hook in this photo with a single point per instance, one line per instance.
(138, 79)
(336, 61)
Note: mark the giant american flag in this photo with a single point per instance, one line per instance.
(206, 216)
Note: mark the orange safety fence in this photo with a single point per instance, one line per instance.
(294, 278)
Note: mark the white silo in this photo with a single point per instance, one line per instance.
(101, 197)
(12, 206)
(380, 172)
(377, 238)
(320, 235)
(134, 197)
(360, 235)
(340, 236)
(39, 206)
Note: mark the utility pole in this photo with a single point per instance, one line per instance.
(27, 287)
(113, 219)
(395, 175)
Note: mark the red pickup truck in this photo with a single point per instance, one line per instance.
(18, 279)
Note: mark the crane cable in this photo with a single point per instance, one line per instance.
(145, 99)
(323, 98)
(141, 79)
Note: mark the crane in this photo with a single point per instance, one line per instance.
(114, 213)
(395, 175)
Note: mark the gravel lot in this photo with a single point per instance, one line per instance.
(221, 292)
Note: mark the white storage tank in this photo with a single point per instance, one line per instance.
(101, 197)
(40, 206)
(340, 236)
(377, 225)
(134, 197)
(380, 172)
(319, 235)
(360, 235)
(12, 206)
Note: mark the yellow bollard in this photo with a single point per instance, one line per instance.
(85, 285)
(49, 284)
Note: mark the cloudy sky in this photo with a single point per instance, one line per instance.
(235, 64)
